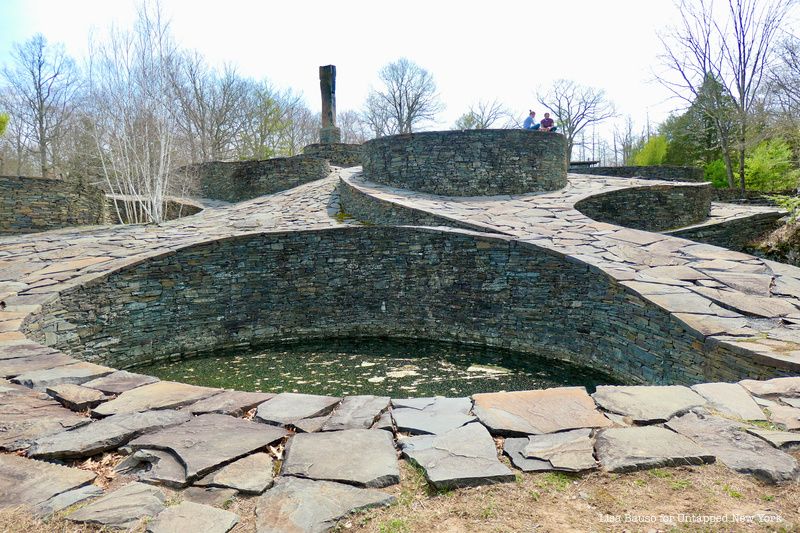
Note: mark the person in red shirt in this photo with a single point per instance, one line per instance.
(547, 123)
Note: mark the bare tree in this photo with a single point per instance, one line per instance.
(575, 107)
(267, 120)
(730, 46)
(45, 80)
(483, 115)
(210, 106)
(131, 91)
(354, 130)
(785, 80)
(302, 129)
(407, 99)
(625, 142)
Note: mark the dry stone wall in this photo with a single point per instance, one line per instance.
(338, 154)
(379, 281)
(656, 208)
(469, 163)
(666, 173)
(236, 181)
(29, 205)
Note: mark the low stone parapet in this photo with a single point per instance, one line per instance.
(469, 162)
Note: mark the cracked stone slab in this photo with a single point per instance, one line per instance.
(645, 403)
(785, 416)
(785, 440)
(123, 508)
(103, 435)
(749, 304)
(76, 397)
(639, 448)
(311, 425)
(737, 449)
(213, 496)
(29, 482)
(538, 411)
(229, 402)
(462, 457)
(571, 451)
(370, 460)
(288, 407)
(296, 504)
(730, 399)
(159, 395)
(210, 440)
(356, 412)
(250, 475)
(22, 365)
(189, 516)
(155, 466)
(66, 499)
(76, 374)
(119, 382)
(513, 448)
(26, 415)
(776, 387)
(431, 416)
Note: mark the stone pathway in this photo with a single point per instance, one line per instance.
(336, 453)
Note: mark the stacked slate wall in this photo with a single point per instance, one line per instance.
(469, 162)
(654, 208)
(236, 181)
(29, 205)
(338, 154)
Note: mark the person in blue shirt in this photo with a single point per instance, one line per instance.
(531, 123)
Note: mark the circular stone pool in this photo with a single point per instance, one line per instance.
(398, 368)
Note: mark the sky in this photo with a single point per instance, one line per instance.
(476, 50)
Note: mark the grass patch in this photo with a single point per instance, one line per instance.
(557, 481)
(727, 489)
(680, 484)
(395, 525)
(659, 473)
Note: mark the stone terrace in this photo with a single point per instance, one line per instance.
(178, 435)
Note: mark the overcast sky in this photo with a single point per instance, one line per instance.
(498, 49)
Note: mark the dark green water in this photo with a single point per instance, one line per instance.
(398, 368)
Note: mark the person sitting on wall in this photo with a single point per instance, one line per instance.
(530, 122)
(547, 123)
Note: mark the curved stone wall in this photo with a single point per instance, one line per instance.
(29, 205)
(666, 173)
(339, 154)
(174, 208)
(469, 162)
(236, 181)
(377, 281)
(654, 208)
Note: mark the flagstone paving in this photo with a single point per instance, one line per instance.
(177, 435)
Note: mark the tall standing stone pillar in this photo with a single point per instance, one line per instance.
(329, 133)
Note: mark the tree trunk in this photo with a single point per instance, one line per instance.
(742, 139)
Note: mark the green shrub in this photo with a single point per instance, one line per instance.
(3, 123)
(716, 174)
(654, 152)
(769, 167)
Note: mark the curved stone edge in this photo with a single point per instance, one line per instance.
(375, 201)
(656, 207)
